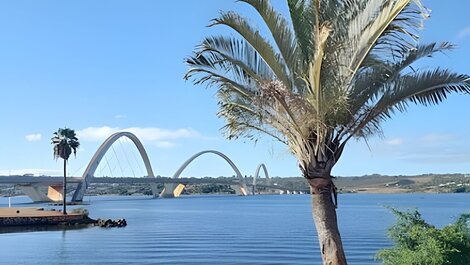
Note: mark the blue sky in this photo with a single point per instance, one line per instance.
(104, 66)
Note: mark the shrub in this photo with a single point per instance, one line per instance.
(419, 243)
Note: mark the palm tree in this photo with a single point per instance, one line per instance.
(65, 141)
(333, 71)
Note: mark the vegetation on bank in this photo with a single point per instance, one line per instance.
(209, 189)
(437, 183)
(428, 183)
(420, 243)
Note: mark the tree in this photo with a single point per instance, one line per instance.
(332, 71)
(65, 141)
(419, 243)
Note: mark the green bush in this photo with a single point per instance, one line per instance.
(419, 243)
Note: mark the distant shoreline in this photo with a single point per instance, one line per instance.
(380, 184)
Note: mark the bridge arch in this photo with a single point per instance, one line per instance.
(256, 176)
(243, 187)
(99, 154)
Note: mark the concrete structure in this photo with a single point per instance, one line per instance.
(256, 176)
(173, 186)
(95, 161)
(173, 190)
(31, 186)
(25, 182)
(54, 192)
(33, 191)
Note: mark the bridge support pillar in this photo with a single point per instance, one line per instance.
(167, 192)
(178, 190)
(54, 193)
(172, 190)
(239, 190)
(154, 188)
(33, 192)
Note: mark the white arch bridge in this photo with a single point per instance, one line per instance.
(173, 187)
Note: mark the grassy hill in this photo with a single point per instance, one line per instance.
(434, 183)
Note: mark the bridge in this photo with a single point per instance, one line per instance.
(173, 187)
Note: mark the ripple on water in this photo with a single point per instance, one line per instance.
(218, 230)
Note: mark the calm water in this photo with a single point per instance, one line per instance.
(220, 230)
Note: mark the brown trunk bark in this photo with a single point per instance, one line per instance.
(64, 191)
(324, 215)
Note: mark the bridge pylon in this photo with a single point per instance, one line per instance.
(256, 176)
(242, 189)
(172, 190)
(99, 154)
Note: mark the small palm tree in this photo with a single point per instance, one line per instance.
(333, 71)
(65, 141)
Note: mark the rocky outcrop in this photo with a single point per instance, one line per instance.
(111, 223)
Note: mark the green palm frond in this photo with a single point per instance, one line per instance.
(260, 44)
(303, 17)
(369, 85)
(422, 51)
(425, 88)
(280, 31)
(430, 87)
(211, 78)
(228, 56)
(389, 26)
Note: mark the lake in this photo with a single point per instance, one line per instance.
(269, 229)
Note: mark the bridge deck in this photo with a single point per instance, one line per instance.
(33, 180)
(46, 180)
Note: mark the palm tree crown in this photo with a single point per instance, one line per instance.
(334, 71)
(65, 142)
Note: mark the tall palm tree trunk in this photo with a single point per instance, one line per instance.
(65, 188)
(324, 215)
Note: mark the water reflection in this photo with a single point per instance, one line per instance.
(41, 228)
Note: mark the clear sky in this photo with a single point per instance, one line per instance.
(104, 66)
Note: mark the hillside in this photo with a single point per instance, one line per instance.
(430, 183)
(433, 183)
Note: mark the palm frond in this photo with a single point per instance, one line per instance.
(260, 44)
(384, 28)
(211, 78)
(369, 85)
(64, 143)
(422, 51)
(425, 88)
(232, 56)
(280, 31)
(303, 17)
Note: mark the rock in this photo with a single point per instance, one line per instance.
(111, 223)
